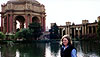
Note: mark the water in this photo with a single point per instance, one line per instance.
(84, 49)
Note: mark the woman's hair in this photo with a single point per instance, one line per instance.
(68, 38)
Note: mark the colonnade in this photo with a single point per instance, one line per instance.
(79, 30)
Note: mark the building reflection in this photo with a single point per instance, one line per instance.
(87, 48)
(8, 51)
(54, 47)
(52, 50)
(30, 50)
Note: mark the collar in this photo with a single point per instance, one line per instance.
(65, 47)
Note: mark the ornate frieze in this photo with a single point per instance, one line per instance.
(19, 7)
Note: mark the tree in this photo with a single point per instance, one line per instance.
(11, 37)
(98, 30)
(2, 36)
(35, 29)
(24, 33)
(33, 32)
(54, 32)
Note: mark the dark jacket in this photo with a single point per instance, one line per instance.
(67, 51)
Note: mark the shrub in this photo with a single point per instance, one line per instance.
(2, 36)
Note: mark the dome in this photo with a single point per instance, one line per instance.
(22, 0)
(19, 1)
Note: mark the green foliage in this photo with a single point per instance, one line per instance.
(23, 33)
(34, 25)
(11, 36)
(2, 36)
(33, 32)
(35, 29)
(18, 34)
(98, 30)
(54, 32)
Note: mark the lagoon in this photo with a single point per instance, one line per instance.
(50, 49)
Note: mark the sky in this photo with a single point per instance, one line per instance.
(62, 11)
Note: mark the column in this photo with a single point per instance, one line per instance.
(4, 27)
(26, 22)
(82, 30)
(62, 32)
(78, 32)
(11, 23)
(66, 30)
(44, 24)
(1, 23)
(30, 19)
(88, 30)
(14, 26)
(41, 21)
(85, 30)
(7, 24)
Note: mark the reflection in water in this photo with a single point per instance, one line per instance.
(84, 49)
(47, 50)
(8, 51)
(0, 54)
(87, 49)
(79, 53)
(52, 50)
(30, 50)
(17, 53)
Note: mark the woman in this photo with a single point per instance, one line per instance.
(67, 50)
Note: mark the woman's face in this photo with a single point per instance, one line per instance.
(65, 41)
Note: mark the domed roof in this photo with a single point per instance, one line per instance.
(22, 0)
(31, 1)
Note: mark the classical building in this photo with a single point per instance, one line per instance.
(21, 12)
(79, 30)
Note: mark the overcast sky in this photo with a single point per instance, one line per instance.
(61, 11)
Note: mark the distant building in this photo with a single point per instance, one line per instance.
(79, 30)
(22, 11)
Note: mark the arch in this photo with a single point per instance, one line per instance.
(90, 29)
(20, 20)
(94, 29)
(72, 33)
(35, 19)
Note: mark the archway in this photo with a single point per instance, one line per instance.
(20, 20)
(72, 32)
(35, 19)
